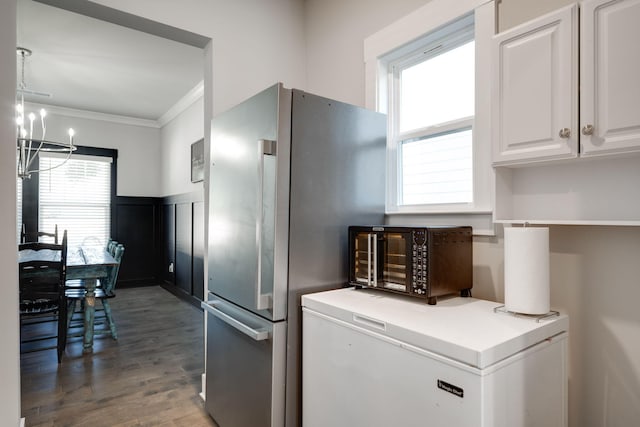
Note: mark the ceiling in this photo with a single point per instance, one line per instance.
(93, 65)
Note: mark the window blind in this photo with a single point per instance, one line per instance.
(76, 196)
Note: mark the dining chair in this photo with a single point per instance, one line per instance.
(41, 282)
(36, 236)
(105, 290)
(111, 246)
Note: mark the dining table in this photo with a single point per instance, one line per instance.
(88, 263)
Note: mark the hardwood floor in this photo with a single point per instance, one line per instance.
(149, 377)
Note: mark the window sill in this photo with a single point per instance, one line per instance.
(480, 220)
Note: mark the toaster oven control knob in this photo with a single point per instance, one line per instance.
(419, 237)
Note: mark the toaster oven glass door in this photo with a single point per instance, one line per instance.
(382, 259)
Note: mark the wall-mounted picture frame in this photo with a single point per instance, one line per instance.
(197, 161)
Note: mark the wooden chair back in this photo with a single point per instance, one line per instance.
(110, 282)
(111, 246)
(42, 284)
(37, 235)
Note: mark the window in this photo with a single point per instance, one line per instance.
(431, 113)
(429, 73)
(76, 196)
(431, 109)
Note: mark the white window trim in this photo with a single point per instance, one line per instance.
(377, 55)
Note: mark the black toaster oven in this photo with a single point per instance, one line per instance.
(422, 262)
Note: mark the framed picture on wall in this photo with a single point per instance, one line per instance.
(197, 161)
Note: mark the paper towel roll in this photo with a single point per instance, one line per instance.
(526, 270)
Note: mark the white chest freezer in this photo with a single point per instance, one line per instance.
(374, 359)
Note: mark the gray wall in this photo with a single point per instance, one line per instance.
(9, 356)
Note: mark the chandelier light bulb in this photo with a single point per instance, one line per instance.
(28, 147)
(32, 117)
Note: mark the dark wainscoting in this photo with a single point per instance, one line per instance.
(163, 240)
(136, 227)
(182, 236)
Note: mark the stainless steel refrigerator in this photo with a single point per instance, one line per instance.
(290, 171)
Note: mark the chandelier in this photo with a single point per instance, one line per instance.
(31, 143)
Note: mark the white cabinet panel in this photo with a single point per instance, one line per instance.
(535, 90)
(610, 70)
(601, 191)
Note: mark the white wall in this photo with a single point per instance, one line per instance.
(256, 43)
(176, 139)
(595, 271)
(335, 30)
(9, 354)
(595, 277)
(138, 149)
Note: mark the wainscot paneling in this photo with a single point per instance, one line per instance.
(184, 243)
(198, 249)
(168, 241)
(136, 227)
(182, 263)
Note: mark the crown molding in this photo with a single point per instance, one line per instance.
(185, 102)
(93, 115)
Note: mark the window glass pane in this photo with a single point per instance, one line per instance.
(77, 197)
(437, 169)
(439, 89)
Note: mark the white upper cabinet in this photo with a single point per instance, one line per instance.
(610, 77)
(542, 113)
(535, 90)
(535, 84)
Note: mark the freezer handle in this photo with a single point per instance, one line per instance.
(258, 335)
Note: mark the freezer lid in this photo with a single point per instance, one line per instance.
(463, 329)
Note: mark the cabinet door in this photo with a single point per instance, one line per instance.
(610, 73)
(535, 88)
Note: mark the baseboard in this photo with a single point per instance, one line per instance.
(181, 294)
(136, 283)
(21, 422)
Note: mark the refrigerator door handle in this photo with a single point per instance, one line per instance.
(374, 237)
(258, 335)
(266, 147)
(372, 260)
